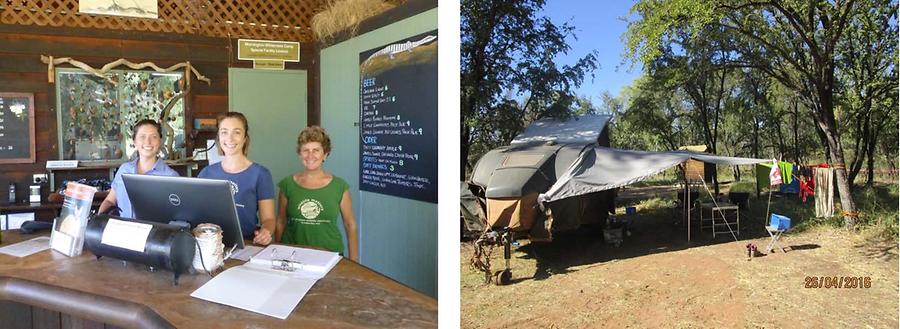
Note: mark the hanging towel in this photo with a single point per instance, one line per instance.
(824, 192)
(762, 176)
(786, 172)
(775, 174)
(763, 171)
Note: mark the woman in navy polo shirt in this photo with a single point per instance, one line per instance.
(251, 183)
(147, 137)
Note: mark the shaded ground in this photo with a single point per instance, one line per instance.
(658, 279)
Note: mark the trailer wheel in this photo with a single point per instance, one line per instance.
(502, 278)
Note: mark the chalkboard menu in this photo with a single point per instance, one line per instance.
(398, 118)
(16, 128)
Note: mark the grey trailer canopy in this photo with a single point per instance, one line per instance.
(604, 168)
(584, 129)
(536, 157)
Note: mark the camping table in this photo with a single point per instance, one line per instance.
(50, 290)
(711, 217)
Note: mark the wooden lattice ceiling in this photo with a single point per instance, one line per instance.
(258, 19)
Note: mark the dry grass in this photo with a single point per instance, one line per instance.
(659, 280)
(341, 15)
(705, 286)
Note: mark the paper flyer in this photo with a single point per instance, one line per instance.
(67, 235)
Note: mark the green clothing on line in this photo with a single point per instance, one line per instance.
(763, 169)
(786, 172)
(312, 214)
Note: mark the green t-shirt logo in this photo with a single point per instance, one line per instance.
(313, 214)
(310, 208)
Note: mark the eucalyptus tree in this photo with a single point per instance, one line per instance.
(867, 71)
(654, 116)
(792, 41)
(508, 71)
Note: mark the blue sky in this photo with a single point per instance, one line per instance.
(598, 27)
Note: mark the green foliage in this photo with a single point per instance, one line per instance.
(657, 203)
(652, 120)
(878, 206)
(744, 187)
(657, 181)
(660, 21)
(833, 62)
(867, 97)
(507, 55)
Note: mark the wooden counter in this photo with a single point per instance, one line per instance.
(129, 295)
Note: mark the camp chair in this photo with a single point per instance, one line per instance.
(778, 224)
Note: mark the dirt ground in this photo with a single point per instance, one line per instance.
(656, 278)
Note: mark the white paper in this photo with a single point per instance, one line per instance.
(246, 253)
(312, 263)
(26, 248)
(257, 287)
(127, 235)
(263, 291)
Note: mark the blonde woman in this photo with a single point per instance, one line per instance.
(251, 183)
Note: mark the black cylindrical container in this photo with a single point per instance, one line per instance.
(167, 247)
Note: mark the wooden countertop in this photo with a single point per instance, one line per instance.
(350, 296)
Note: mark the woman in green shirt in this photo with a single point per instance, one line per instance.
(309, 200)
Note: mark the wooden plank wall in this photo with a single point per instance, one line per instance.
(22, 71)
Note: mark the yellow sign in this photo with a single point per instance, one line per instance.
(262, 64)
(268, 50)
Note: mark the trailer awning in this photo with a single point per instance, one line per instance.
(604, 168)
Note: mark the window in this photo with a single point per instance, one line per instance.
(95, 115)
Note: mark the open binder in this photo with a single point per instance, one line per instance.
(272, 283)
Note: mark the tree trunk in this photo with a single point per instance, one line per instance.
(796, 128)
(825, 120)
(862, 140)
(823, 139)
(464, 151)
(870, 164)
(870, 150)
(755, 148)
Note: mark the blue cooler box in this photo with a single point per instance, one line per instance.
(780, 222)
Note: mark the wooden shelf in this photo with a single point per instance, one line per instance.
(111, 168)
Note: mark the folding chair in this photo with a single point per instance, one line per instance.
(778, 224)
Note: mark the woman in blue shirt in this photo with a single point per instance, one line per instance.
(251, 183)
(147, 137)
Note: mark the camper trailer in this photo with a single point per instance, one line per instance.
(559, 175)
(508, 180)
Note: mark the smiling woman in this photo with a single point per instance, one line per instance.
(251, 183)
(147, 138)
(311, 199)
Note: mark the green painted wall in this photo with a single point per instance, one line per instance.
(398, 237)
(274, 103)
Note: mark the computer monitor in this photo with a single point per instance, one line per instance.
(194, 200)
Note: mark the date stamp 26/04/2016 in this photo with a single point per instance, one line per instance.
(838, 282)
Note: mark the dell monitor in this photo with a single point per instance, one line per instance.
(196, 201)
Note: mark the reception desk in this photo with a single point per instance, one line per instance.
(50, 290)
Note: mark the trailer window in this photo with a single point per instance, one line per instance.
(522, 160)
